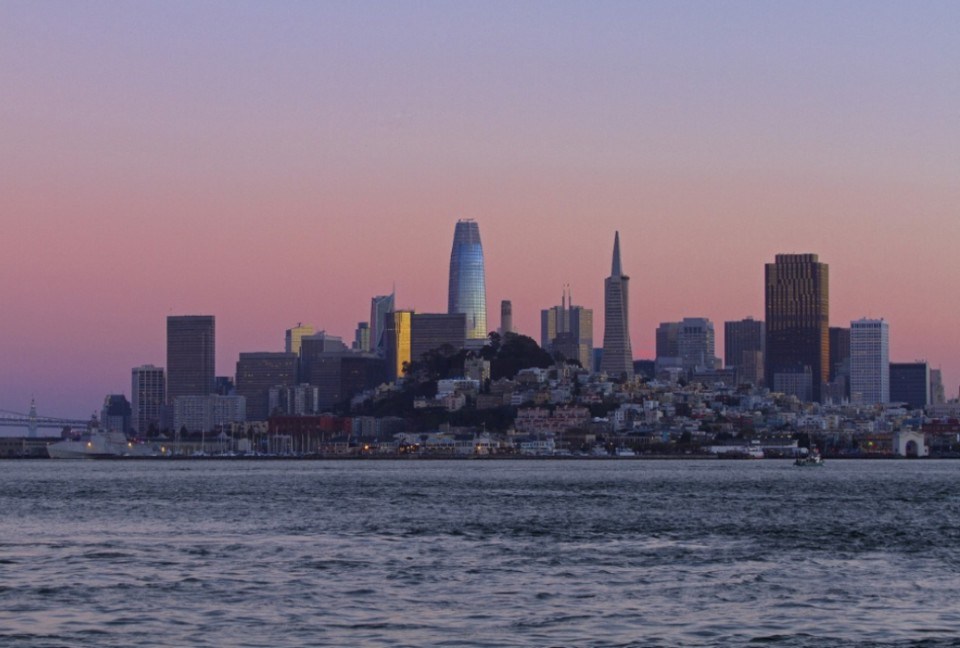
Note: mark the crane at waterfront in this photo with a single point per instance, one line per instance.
(33, 421)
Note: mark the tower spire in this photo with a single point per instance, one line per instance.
(616, 270)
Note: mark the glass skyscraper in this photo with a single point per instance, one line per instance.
(468, 291)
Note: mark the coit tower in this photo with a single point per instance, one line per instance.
(468, 291)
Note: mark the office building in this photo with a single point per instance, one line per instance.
(697, 345)
(314, 346)
(293, 336)
(379, 307)
(743, 344)
(208, 413)
(937, 395)
(567, 331)
(361, 338)
(116, 413)
(467, 292)
(340, 376)
(190, 356)
(910, 384)
(147, 396)
(397, 341)
(431, 331)
(869, 361)
(257, 373)
(617, 354)
(797, 324)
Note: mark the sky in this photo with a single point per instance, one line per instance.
(276, 163)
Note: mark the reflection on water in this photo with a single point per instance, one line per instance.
(478, 553)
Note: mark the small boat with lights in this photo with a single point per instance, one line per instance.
(808, 458)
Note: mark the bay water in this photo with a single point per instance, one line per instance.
(479, 553)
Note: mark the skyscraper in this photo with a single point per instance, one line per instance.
(797, 318)
(397, 342)
(568, 330)
(257, 373)
(147, 396)
(743, 343)
(190, 356)
(379, 307)
(910, 383)
(697, 344)
(869, 361)
(617, 354)
(293, 337)
(467, 290)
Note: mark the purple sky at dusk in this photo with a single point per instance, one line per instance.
(275, 163)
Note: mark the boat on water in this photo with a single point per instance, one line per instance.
(98, 444)
(808, 458)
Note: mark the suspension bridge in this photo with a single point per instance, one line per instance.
(33, 421)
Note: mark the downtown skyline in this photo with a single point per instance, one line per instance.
(148, 174)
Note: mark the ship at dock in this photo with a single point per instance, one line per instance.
(95, 443)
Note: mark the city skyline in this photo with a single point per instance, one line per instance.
(283, 166)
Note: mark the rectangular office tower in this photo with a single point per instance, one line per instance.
(910, 384)
(743, 344)
(190, 356)
(869, 361)
(797, 357)
(147, 397)
(567, 330)
(257, 373)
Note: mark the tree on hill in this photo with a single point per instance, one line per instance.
(517, 352)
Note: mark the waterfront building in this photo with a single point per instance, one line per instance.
(295, 400)
(116, 413)
(910, 383)
(190, 355)
(743, 342)
(467, 292)
(869, 361)
(147, 396)
(293, 336)
(506, 317)
(797, 324)
(257, 373)
(379, 307)
(207, 413)
(361, 338)
(617, 354)
(567, 330)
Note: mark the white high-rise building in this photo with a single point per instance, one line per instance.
(869, 361)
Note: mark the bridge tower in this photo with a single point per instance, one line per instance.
(32, 424)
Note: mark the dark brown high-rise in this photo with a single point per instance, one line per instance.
(797, 357)
(190, 356)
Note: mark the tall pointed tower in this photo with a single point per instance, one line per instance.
(468, 291)
(617, 354)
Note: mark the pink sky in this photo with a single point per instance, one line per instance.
(275, 165)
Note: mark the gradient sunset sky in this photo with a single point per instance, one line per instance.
(275, 163)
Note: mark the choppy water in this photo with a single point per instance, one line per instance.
(468, 553)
